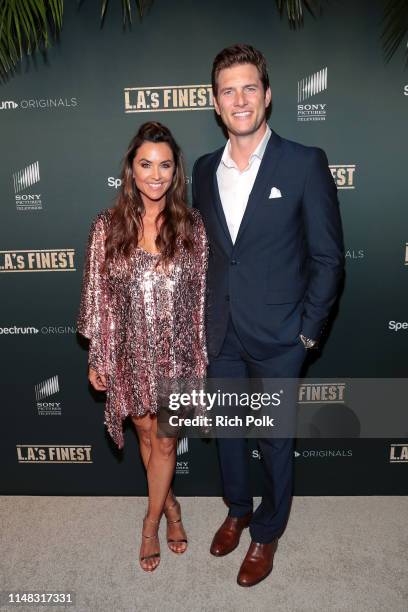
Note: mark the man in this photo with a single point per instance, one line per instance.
(276, 260)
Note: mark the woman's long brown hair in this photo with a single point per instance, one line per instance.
(126, 226)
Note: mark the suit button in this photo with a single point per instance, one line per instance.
(227, 298)
(233, 262)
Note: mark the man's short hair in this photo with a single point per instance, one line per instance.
(239, 54)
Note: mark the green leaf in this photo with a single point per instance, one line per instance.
(395, 28)
(295, 9)
(24, 27)
(18, 32)
(141, 5)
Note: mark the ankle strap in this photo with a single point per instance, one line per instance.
(149, 537)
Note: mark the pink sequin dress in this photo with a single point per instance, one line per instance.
(143, 322)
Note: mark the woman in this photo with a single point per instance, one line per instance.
(142, 307)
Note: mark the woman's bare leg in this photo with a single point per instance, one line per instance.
(159, 457)
(160, 472)
(143, 427)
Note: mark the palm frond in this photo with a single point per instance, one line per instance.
(295, 9)
(395, 28)
(142, 6)
(24, 28)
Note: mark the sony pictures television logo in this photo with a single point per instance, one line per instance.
(308, 87)
(22, 181)
(182, 466)
(46, 389)
(168, 98)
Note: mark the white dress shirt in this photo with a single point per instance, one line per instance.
(235, 185)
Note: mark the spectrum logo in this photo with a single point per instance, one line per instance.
(15, 331)
(8, 105)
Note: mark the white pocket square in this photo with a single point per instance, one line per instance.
(275, 193)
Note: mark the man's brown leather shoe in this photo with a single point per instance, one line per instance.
(227, 537)
(257, 564)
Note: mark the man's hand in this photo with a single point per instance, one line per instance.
(98, 381)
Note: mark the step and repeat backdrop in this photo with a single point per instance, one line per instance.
(66, 121)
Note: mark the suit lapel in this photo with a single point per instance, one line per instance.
(263, 181)
(217, 200)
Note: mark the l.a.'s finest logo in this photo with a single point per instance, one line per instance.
(42, 260)
(328, 393)
(168, 98)
(311, 86)
(399, 453)
(22, 180)
(43, 391)
(343, 175)
(54, 453)
(182, 467)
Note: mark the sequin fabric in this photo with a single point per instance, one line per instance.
(143, 322)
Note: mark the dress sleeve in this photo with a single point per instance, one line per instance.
(199, 315)
(92, 319)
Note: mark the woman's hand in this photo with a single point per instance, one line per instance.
(98, 381)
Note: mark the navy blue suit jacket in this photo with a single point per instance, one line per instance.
(282, 275)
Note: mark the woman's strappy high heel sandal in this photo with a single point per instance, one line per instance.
(171, 542)
(155, 555)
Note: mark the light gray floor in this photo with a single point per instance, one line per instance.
(338, 553)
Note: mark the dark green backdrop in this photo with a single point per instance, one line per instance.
(67, 116)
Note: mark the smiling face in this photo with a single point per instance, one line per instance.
(241, 100)
(153, 169)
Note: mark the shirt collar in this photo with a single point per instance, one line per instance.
(227, 160)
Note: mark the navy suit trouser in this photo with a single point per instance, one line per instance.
(270, 518)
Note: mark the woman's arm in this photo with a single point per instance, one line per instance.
(92, 319)
(201, 245)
